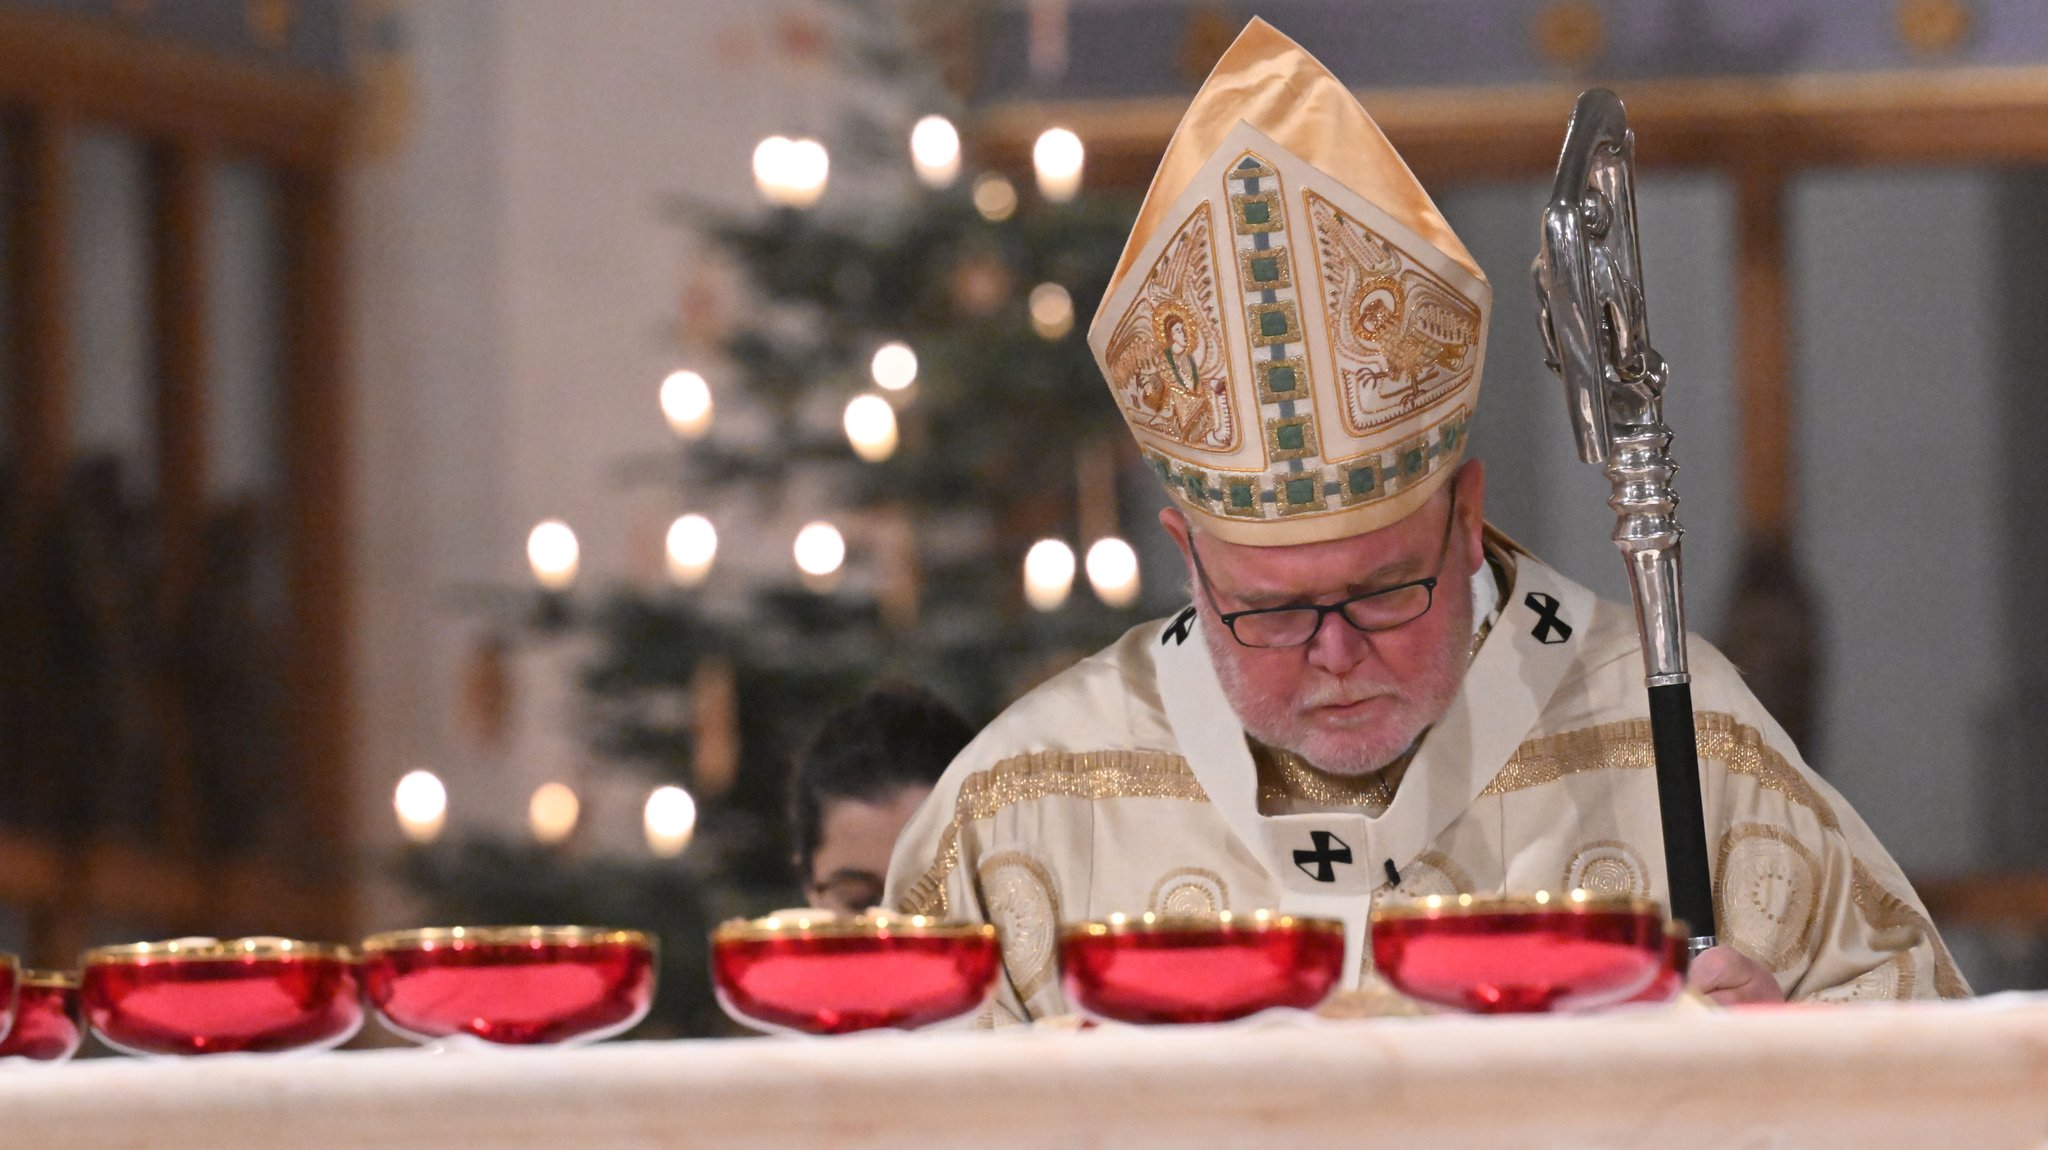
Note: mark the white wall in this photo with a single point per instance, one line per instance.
(516, 283)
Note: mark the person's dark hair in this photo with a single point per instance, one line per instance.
(897, 735)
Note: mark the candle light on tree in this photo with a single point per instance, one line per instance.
(686, 403)
(692, 546)
(1048, 574)
(894, 366)
(935, 151)
(1056, 158)
(820, 550)
(1052, 311)
(1113, 571)
(871, 427)
(553, 554)
(669, 820)
(421, 803)
(995, 197)
(552, 812)
(791, 173)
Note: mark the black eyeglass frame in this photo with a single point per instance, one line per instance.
(1325, 610)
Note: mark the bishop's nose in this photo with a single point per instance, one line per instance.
(1338, 647)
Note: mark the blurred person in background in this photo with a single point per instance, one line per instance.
(857, 782)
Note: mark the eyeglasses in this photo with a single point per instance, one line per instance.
(1295, 624)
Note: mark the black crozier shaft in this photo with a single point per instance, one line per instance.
(1678, 801)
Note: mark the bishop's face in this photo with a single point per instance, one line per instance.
(1347, 701)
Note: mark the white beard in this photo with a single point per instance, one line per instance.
(1338, 748)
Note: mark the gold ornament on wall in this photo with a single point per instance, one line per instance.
(270, 22)
(1210, 31)
(1933, 27)
(1571, 33)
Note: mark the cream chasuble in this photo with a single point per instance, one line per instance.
(1127, 785)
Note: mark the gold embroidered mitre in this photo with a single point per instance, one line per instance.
(1293, 333)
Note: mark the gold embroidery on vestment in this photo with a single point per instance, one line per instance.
(1021, 900)
(1891, 980)
(1626, 746)
(1608, 867)
(1092, 775)
(1189, 892)
(1888, 914)
(1767, 890)
(1284, 775)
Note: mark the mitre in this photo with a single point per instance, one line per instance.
(1293, 333)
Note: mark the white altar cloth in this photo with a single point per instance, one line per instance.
(1949, 1075)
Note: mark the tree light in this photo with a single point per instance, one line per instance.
(552, 812)
(791, 172)
(871, 427)
(1057, 158)
(820, 549)
(692, 545)
(1113, 571)
(995, 198)
(1048, 574)
(552, 553)
(894, 366)
(670, 818)
(421, 803)
(935, 151)
(1052, 311)
(686, 403)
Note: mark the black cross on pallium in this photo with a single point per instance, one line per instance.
(1549, 628)
(1180, 627)
(1328, 853)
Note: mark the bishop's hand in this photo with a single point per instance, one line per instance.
(1727, 976)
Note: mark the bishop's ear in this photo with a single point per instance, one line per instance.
(1176, 525)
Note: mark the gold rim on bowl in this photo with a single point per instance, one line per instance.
(1225, 922)
(50, 979)
(1571, 902)
(429, 937)
(211, 950)
(825, 924)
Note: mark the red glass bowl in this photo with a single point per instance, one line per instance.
(819, 974)
(204, 996)
(1157, 969)
(46, 1027)
(1520, 954)
(1670, 980)
(10, 982)
(510, 985)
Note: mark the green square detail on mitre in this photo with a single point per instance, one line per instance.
(1289, 437)
(1241, 495)
(1360, 480)
(1301, 490)
(1273, 323)
(1257, 212)
(1412, 461)
(1280, 379)
(1265, 269)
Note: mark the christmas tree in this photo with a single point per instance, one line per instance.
(909, 381)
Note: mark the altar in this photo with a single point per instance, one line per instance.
(1971, 1074)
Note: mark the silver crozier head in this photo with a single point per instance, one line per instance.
(1596, 337)
(1589, 281)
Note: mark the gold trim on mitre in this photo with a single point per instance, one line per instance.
(1293, 333)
